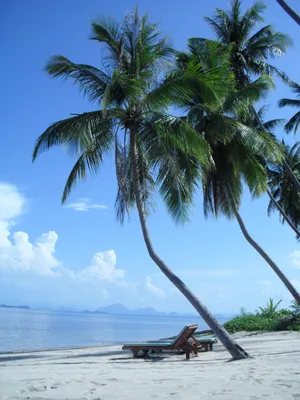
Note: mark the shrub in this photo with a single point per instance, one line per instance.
(268, 318)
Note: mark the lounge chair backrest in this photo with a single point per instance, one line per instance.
(184, 335)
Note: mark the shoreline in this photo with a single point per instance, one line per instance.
(236, 336)
(106, 372)
(88, 346)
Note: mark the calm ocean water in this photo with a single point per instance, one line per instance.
(32, 329)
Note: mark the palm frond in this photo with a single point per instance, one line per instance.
(174, 132)
(250, 93)
(262, 144)
(219, 29)
(108, 32)
(252, 17)
(288, 103)
(77, 133)
(293, 123)
(90, 160)
(273, 124)
(92, 81)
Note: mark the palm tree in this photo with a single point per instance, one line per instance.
(152, 148)
(293, 123)
(289, 11)
(236, 149)
(282, 189)
(250, 52)
(269, 126)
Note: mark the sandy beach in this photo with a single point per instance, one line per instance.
(107, 373)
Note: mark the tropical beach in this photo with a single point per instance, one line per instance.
(108, 373)
(173, 272)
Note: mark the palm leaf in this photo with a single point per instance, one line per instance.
(293, 123)
(77, 133)
(289, 103)
(92, 81)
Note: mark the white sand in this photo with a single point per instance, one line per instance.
(107, 373)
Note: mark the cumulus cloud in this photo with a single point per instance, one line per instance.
(158, 292)
(12, 202)
(18, 253)
(85, 205)
(104, 267)
(16, 250)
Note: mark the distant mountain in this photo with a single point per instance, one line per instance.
(114, 309)
(120, 309)
(19, 307)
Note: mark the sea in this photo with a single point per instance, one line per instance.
(25, 330)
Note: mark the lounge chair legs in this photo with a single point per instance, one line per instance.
(135, 353)
(187, 356)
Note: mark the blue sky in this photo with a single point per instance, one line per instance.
(78, 256)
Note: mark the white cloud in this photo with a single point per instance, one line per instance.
(18, 253)
(103, 268)
(85, 205)
(12, 202)
(158, 292)
(295, 258)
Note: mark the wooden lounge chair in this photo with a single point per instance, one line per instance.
(204, 343)
(180, 343)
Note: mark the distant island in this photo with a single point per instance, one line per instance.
(120, 309)
(19, 307)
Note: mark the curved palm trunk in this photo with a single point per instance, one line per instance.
(234, 349)
(265, 256)
(284, 215)
(289, 11)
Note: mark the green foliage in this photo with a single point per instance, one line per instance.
(282, 186)
(295, 307)
(268, 318)
(132, 97)
(250, 50)
(293, 123)
(270, 309)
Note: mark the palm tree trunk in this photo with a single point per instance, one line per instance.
(265, 256)
(234, 349)
(284, 215)
(289, 11)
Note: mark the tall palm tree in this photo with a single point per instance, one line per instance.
(282, 188)
(268, 127)
(294, 122)
(289, 11)
(152, 148)
(236, 149)
(250, 52)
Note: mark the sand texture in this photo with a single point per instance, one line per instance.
(107, 373)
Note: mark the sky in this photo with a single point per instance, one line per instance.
(77, 255)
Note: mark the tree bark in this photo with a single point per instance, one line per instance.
(265, 256)
(289, 11)
(233, 348)
(283, 213)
